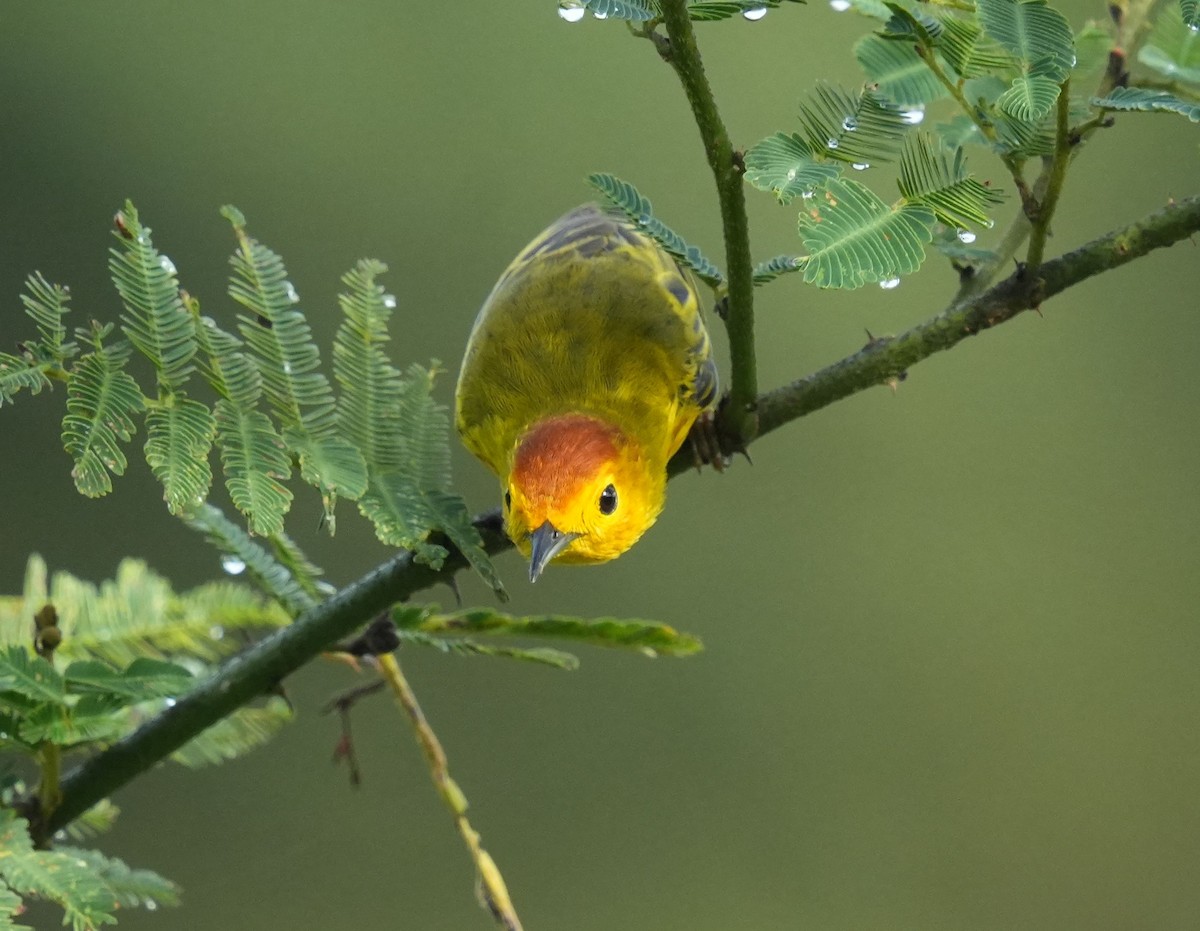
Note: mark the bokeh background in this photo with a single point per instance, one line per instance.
(952, 632)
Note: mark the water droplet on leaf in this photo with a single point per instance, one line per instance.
(167, 265)
(860, 166)
(292, 294)
(839, 6)
(831, 144)
(888, 283)
(755, 13)
(850, 124)
(389, 301)
(966, 236)
(914, 116)
(791, 175)
(233, 565)
(570, 12)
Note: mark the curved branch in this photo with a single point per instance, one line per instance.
(260, 668)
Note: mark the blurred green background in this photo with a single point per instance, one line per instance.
(952, 634)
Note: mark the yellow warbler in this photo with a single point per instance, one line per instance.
(587, 365)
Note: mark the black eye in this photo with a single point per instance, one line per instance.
(507, 500)
(608, 500)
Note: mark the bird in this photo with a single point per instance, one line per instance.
(586, 368)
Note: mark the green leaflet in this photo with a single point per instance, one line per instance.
(647, 637)
(787, 166)
(854, 238)
(626, 198)
(900, 73)
(179, 435)
(155, 319)
(934, 177)
(101, 401)
(1137, 98)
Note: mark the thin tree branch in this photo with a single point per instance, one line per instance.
(684, 56)
(251, 674)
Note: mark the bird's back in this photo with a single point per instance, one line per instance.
(591, 317)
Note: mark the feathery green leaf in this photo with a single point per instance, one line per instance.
(1137, 98)
(771, 269)
(246, 729)
(256, 465)
(787, 166)
(464, 647)
(971, 52)
(46, 304)
(853, 237)
(179, 435)
(631, 10)
(1035, 32)
(647, 637)
(26, 679)
(20, 372)
(141, 680)
(155, 319)
(285, 575)
(132, 888)
(57, 877)
(101, 401)
(626, 198)
(1029, 98)
(899, 72)
(851, 127)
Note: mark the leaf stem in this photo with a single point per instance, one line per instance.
(683, 54)
(493, 891)
(1055, 176)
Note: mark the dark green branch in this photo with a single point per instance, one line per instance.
(250, 675)
(684, 56)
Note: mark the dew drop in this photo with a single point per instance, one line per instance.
(839, 6)
(326, 588)
(850, 124)
(807, 195)
(167, 265)
(389, 301)
(169, 702)
(292, 294)
(966, 236)
(860, 166)
(287, 368)
(888, 283)
(216, 632)
(755, 13)
(58, 835)
(150, 905)
(1194, 27)
(233, 565)
(990, 223)
(831, 144)
(914, 116)
(571, 12)
(600, 15)
(791, 175)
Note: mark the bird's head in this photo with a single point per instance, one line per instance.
(580, 491)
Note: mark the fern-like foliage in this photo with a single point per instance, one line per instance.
(102, 400)
(253, 454)
(857, 127)
(646, 637)
(281, 346)
(401, 431)
(854, 238)
(1189, 11)
(626, 198)
(1137, 98)
(155, 319)
(42, 359)
(1173, 49)
(934, 177)
(898, 72)
(788, 166)
(88, 886)
(771, 269)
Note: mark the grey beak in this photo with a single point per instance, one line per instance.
(544, 544)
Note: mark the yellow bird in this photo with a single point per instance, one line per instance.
(586, 368)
